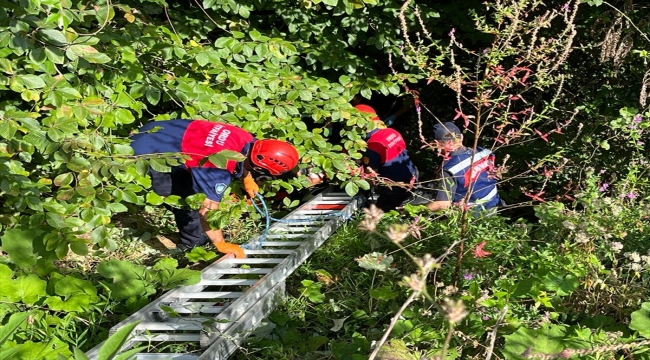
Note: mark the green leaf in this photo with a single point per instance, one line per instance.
(6, 66)
(114, 343)
(311, 290)
(331, 2)
(563, 285)
(384, 293)
(18, 244)
(351, 188)
(375, 261)
(641, 320)
(169, 276)
(159, 165)
(98, 234)
(88, 53)
(200, 254)
(12, 325)
(30, 288)
(549, 339)
(221, 158)
(64, 179)
(53, 37)
(123, 116)
(79, 355)
(153, 95)
(31, 81)
(154, 199)
(54, 55)
(8, 129)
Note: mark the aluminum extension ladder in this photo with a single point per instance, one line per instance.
(211, 319)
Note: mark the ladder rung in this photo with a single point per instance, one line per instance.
(167, 337)
(318, 212)
(282, 243)
(336, 193)
(211, 295)
(235, 271)
(228, 282)
(173, 325)
(288, 236)
(269, 252)
(297, 227)
(336, 197)
(255, 261)
(165, 356)
(198, 309)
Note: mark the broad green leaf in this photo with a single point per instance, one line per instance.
(30, 288)
(31, 81)
(169, 276)
(641, 320)
(549, 339)
(375, 261)
(123, 116)
(384, 293)
(12, 325)
(114, 343)
(79, 248)
(53, 37)
(560, 283)
(6, 66)
(98, 234)
(159, 165)
(351, 188)
(153, 95)
(88, 53)
(200, 254)
(54, 55)
(154, 199)
(18, 244)
(64, 179)
(8, 129)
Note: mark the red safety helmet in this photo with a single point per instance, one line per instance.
(275, 156)
(367, 109)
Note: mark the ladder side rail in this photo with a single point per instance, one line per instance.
(231, 339)
(282, 271)
(144, 314)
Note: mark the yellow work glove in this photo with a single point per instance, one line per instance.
(250, 185)
(226, 248)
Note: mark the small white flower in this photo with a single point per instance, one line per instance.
(645, 259)
(616, 246)
(633, 256)
(636, 267)
(450, 290)
(582, 238)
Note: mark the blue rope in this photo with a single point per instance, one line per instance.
(265, 213)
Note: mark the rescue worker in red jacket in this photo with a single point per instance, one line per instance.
(199, 139)
(387, 156)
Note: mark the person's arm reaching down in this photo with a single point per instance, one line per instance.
(216, 236)
(446, 189)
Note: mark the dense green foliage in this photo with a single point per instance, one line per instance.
(557, 89)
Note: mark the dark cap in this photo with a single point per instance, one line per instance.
(446, 131)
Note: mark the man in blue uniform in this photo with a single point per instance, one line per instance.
(387, 156)
(197, 140)
(464, 171)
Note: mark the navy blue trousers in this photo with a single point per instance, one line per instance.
(179, 182)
